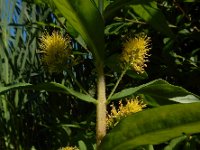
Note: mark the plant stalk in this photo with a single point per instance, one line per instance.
(101, 105)
(101, 95)
(117, 83)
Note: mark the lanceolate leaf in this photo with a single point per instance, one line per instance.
(153, 126)
(104, 2)
(118, 4)
(52, 87)
(151, 14)
(146, 9)
(159, 91)
(176, 143)
(85, 18)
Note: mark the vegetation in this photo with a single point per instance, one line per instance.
(99, 74)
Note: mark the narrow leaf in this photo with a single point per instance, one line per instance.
(153, 126)
(118, 4)
(151, 14)
(85, 18)
(159, 91)
(52, 87)
(130, 91)
(146, 9)
(82, 145)
(176, 143)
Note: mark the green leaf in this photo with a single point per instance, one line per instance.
(151, 14)
(118, 4)
(4, 89)
(176, 143)
(115, 28)
(52, 87)
(104, 2)
(85, 18)
(82, 145)
(159, 91)
(146, 9)
(153, 126)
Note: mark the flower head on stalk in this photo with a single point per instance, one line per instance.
(135, 52)
(56, 50)
(132, 106)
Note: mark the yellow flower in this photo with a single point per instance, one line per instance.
(56, 51)
(135, 52)
(132, 106)
(68, 148)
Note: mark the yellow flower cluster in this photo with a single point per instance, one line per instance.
(57, 51)
(135, 52)
(132, 106)
(68, 148)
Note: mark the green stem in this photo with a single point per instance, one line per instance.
(101, 95)
(101, 105)
(117, 83)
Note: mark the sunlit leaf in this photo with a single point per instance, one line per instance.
(153, 126)
(85, 18)
(159, 92)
